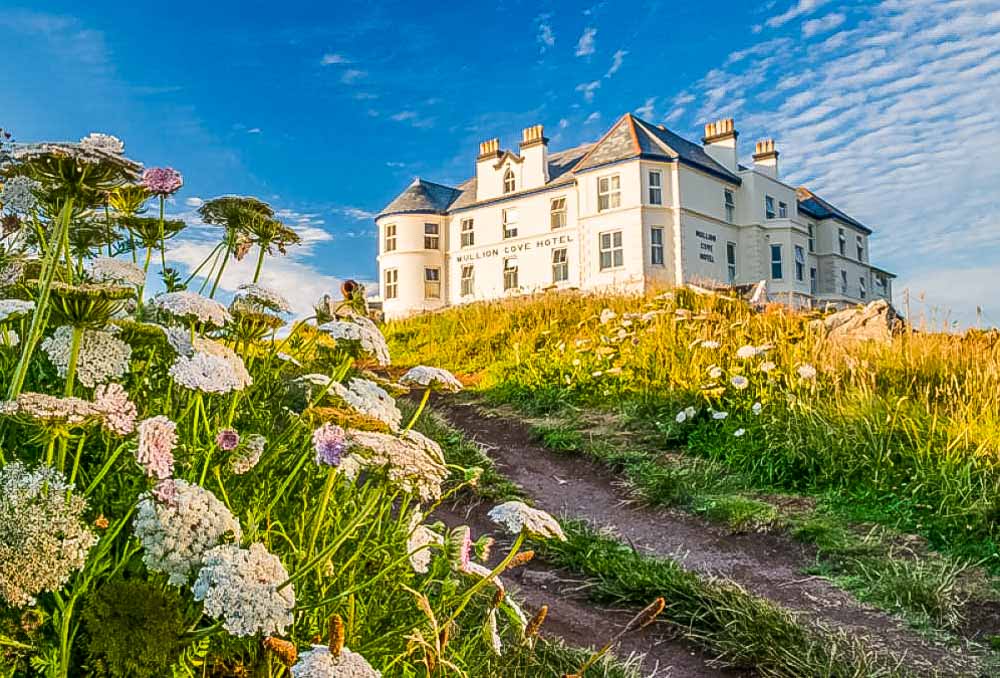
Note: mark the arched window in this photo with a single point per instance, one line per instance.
(508, 181)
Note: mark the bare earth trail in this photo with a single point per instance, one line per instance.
(768, 565)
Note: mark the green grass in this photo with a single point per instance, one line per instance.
(739, 513)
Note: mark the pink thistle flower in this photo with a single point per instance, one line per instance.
(329, 442)
(157, 437)
(227, 439)
(162, 180)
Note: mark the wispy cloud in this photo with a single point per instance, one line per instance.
(585, 46)
(413, 118)
(254, 130)
(589, 89)
(647, 109)
(616, 62)
(545, 37)
(357, 213)
(593, 117)
(797, 9)
(331, 59)
(822, 25)
(352, 75)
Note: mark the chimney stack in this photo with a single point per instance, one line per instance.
(765, 158)
(720, 143)
(489, 149)
(535, 154)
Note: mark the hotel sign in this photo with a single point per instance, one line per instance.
(516, 247)
(707, 246)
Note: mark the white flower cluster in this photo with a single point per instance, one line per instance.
(108, 269)
(685, 414)
(258, 295)
(368, 398)
(105, 143)
(211, 368)
(806, 372)
(11, 308)
(187, 305)
(240, 587)
(319, 662)
(43, 538)
(112, 411)
(433, 378)
(248, 454)
(18, 194)
(360, 330)
(103, 356)
(175, 535)
(411, 462)
(517, 516)
(119, 413)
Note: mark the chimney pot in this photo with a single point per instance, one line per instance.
(490, 147)
(533, 135)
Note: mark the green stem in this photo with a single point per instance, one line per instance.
(211, 255)
(163, 243)
(320, 516)
(260, 263)
(420, 409)
(74, 357)
(485, 580)
(218, 276)
(107, 225)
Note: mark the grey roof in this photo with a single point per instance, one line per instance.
(423, 196)
(815, 206)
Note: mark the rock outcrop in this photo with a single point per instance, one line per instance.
(878, 321)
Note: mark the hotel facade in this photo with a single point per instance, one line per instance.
(640, 208)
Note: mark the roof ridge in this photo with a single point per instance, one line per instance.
(647, 127)
(604, 136)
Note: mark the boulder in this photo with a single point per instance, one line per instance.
(878, 321)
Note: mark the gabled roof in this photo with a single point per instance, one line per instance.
(632, 137)
(422, 197)
(816, 207)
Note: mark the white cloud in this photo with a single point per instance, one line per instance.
(593, 117)
(403, 116)
(616, 62)
(330, 59)
(563, 123)
(357, 212)
(546, 37)
(365, 96)
(194, 201)
(585, 45)
(821, 25)
(352, 75)
(254, 130)
(412, 118)
(647, 109)
(589, 89)
(395, 164)
(800, 8)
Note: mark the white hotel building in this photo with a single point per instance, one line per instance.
(640, 208)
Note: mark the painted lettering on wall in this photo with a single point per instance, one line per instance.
(515, 248)
(707, 248)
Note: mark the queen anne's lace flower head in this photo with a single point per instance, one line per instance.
(105, 143)
(329, 442)
(411, 462)
(247, 454)
(517, 516)
(368, 398)
(218, 371)
(19, 194)
(740, 382)
(52, 410)
(43, 537)
(155, 454)
(109, 269)
(12, 308)
(359, 330)
(162, 180)
(111, 400)
(258, 295)
(240, 587)
(319, 662)
(186, 305)
(746, 352)
(433, 378)
(806, 372)
(177, 530)
(102, 357)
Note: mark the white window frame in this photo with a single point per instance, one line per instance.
(391, 278)
(432, 283)
(779, 261)
(769, 208)
(732, 257)
(609, 192)
(560, 265)
(655, 190)
(390, 238)
(468, 280)
(610, 243)
(432, 236)
(510, 281)
(509, 181)
(800, 263)
(509, 226)
(782, 210)
(468, 233)
(557, 212)
(729, 202)
(656, 251)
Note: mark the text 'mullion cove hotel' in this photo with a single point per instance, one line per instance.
(641, 208)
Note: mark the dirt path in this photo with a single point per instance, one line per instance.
(767, 565)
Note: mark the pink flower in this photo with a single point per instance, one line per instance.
(157, 437)
(162, 180)
(329, 442)
(119, 412)
(227, 439)
(165, 491)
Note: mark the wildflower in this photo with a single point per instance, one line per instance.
(248, 454)
(710, 343)
(319, 662)
(177, 524)
(155, 454)
(105, 143)
(717, 415)
(517, 516)
(767, 366)
(227, 439)
(261, 296)
(162, 180)
(368, 398)
(746, 352)
(19, 194)
(43, 537)
(756, 408)
(13, 308)
(433, 378)
(715, 372)
(329, 442)
(413, 461)
(460, 547)
(807, 371)
(53, 411)
(187, 305)
(362, 332)
(102, 356)
(690, 411)
(607, 315)
(119, 413)
(217, 369)
(738, 433)
(240, 587)
(108, 269)
(740, 382)
(681, 417)
(418, 544)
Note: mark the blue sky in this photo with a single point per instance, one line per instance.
(889, 109)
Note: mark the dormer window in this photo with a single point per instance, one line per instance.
(509, 185)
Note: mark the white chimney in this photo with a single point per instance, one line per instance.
(765, 158)
(720, 143)
(486, 181)
(535, 154)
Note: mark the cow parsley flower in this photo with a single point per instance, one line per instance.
(607, 315)
(213, 368)
(19, 194)
(109, 269)
(368, 398)
(756, 408)
(119, 413)
(329, 442)
(715, 372)
(710, 344)
(155, 454)
(162, 180)
(363, 333)
(433, 378)
(258, 295)
(240, 587)
(807, 372)
(105, 143)
(740, 382)
(319, 662)
(248, 454)
(738, 433)
(719, 415)
(746, 352)
(51, 410)
(43, 536)
(187, 305)
(13, 308)
(767, 366)
(178, 529)
(517, 516)
(681, 417)
(102, 357)
(413, 462)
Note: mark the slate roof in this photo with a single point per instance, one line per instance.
(423, 196)
(816, 207)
